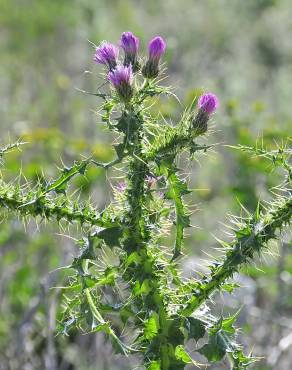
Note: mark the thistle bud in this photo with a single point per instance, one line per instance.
(207, 104)
(106, 54)
(121, 78)
(130, 44)
(156, 49)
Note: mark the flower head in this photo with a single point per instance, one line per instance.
(130, 44)
(208, 103)
(122, 77)
(156, 49)
(106, 54)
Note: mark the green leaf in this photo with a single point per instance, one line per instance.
(88, 281)
(108, 278)
(227, 324)
(151, 326)
(182, 355)
(154, 366)
(215, 349)
(111, 235)
(133, 258)
(119, 148)
(229, 287)
(175, 332)
(127, 123)
(195, 328)
(60, 184)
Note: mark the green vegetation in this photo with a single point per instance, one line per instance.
(238, 49)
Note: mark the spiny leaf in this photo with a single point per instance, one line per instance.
(215, 349)
(60, 184)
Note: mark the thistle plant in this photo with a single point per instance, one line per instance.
(124, 279)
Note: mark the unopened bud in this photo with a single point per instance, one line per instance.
(156, 49)
(130, 44)
(207, 105)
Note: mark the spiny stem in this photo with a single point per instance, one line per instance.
(25, 204)
(250, 239)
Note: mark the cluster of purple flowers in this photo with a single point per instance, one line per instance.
(121, 75)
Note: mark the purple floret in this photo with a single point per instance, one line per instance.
(106, 54)
(121, 187)
(121, 75)
(129, 43)
(156, 48)
(208, 103)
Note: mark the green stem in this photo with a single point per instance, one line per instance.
(250, 240)
(26, 204)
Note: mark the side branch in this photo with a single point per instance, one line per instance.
(250, 239)
(173, 140)
(13, 198)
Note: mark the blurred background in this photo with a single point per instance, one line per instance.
(240, 50)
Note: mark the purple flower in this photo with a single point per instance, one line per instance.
(130, 44)
(122, 77)
(156, 49)
(121, 187)
(208, 103)
(106, 54)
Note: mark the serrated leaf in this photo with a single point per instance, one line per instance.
(60, 184)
